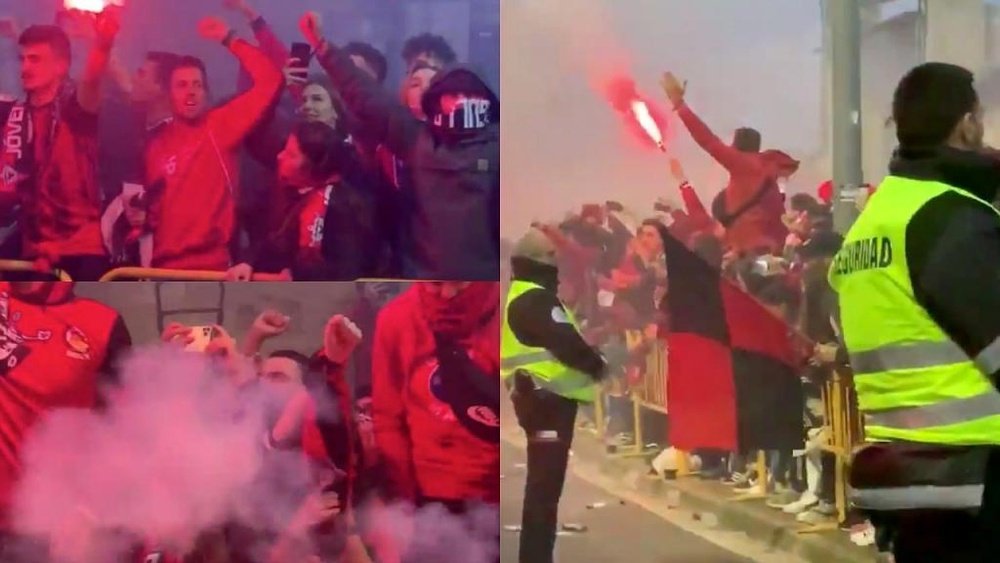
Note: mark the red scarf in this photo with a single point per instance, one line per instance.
(461, 315)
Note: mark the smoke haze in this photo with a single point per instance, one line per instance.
(747, 63)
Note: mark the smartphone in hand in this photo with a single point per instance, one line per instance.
(302, 53)
(202, 335)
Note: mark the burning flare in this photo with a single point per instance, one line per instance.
(645, 120)
(95, 6)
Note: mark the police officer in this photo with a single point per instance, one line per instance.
(551, 369)
(918, 279)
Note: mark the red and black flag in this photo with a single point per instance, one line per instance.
(732, 378)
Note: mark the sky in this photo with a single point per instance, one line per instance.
(755, 64)
(747, 63)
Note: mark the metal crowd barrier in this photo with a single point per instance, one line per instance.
(29, 267)
(134, 273)
(842, 426)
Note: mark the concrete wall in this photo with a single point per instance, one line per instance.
(887, 52)
(308, 304)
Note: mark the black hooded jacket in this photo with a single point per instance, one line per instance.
(451, 207)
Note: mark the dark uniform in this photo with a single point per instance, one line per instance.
(550, 369)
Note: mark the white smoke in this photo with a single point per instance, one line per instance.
(178, 451)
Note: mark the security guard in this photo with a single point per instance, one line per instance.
(550, 369)
(918, 279)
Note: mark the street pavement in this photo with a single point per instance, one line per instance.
(619, 531)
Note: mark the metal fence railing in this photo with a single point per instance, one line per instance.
(842, 427)
(22, 266)
(135, 273)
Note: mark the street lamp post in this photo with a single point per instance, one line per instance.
(844, 21)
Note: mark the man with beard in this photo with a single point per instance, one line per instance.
(452, 205)
(50, 147)
(550, 370)
(56, 351)
(435, 405)
(916, 279)
(320, 420)
(192, 165)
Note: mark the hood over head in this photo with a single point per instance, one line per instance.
(460, 79)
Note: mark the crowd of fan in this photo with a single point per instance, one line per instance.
(364, 453)
(326, 176)
(613, 275)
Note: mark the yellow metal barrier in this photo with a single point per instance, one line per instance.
(133, 273)
(843, 426)
(24, 266)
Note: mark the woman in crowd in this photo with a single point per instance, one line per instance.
(330, 231)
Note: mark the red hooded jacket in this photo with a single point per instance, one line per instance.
(748, 172)
(425, 450)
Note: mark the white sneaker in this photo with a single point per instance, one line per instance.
(822, 512)
(806, 501)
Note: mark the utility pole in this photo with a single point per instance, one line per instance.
(844, 20)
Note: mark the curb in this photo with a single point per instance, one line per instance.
(766, 525)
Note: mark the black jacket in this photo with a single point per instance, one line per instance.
(352, 246)
(953, 245)
(452, 200)
(531, 319)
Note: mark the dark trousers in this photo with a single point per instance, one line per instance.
(539, 411)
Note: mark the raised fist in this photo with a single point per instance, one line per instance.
(311, 26)
(213, 29)
(107, 24)
(270, 323)
(340, 339)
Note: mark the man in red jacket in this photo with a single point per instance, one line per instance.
(435, 401)
(56, 351)
(192, 163)
(753, 203)
(49, 144)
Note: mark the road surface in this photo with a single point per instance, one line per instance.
(616, 532)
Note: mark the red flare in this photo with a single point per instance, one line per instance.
(641, 117)
(95, 6)
(645, 120)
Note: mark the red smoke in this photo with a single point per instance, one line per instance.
(623, 95)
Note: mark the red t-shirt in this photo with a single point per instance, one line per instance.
(61, 214)
(51, 356)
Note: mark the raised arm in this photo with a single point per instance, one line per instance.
(729, 157)
(88, 92)
(382, 115)
(267, 40)
(231, 123)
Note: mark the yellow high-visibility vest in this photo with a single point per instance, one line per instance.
(547, 372)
